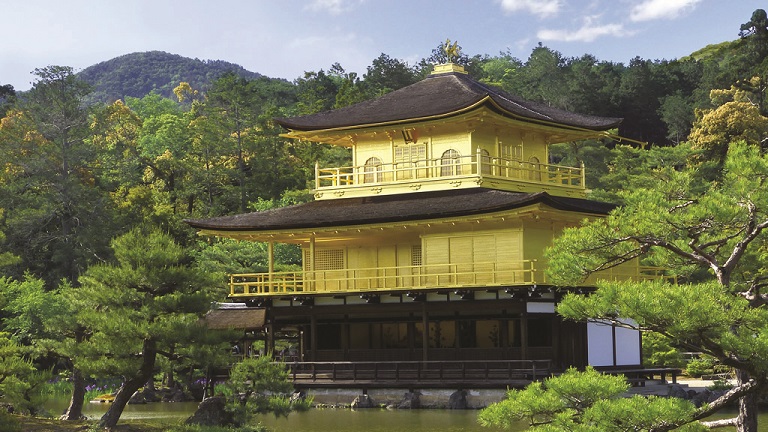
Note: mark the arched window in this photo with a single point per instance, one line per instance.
(485, 162)
(534, 167)
(372, 170)
(450, 163)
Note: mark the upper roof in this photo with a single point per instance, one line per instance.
(394, 208)
(442, 95)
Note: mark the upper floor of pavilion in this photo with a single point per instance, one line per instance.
(445, 132)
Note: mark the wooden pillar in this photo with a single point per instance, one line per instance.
(504, 342)
(524, 336)
(312, 338)
(557, 351)
(302, 344)
(270, 342)
(311, 265)
(271, 263)
(425, 332)
(345, 337)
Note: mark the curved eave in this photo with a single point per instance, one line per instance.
(347, 233)
(314, 134)
(325, 134)
(304, 218)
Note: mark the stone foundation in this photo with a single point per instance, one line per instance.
(394, 398)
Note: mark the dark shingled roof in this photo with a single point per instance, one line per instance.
(394, 208)
(439, 95)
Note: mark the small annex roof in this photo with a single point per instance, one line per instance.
(394, 208)
(234, 316)
(442, 95)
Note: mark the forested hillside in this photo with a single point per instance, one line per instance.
(137, 74)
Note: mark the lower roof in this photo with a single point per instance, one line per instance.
(394, 208)
(240, 317)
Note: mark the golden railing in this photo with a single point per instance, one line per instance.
(478, 166)
(413, 278)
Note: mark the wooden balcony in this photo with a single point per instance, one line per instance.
(439, 174)
(409, 278)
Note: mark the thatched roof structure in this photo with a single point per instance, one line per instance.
(235, 317)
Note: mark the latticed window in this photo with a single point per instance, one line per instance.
(450, 163)
(325, 259)
(416, 255)
(534, 169)
(411, 153)
(510, 152)
(372, 170)
(485, 161)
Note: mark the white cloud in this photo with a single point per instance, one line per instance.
(333, 7)
(588, 32)
(541, 8)
(661, 9)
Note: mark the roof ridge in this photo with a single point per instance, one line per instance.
(503, 95)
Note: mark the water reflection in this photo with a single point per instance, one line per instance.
(168, 412)
(337, 420)
(344, 420)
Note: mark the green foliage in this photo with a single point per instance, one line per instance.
(199, 428)
(710, 233)
(260, 386)
(36, 315)
(659, 352)
(583, 401)
(701, 366)
(720, 385)
(639, 413)
(227, 256)
(6, 258)
(666, 223)
(16, 372)
(147, 303)
(47, 184)
(736, 117)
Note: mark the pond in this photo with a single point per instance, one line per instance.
(162, 413)
(338, 420)
(401, 421)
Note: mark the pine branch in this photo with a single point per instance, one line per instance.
(709, 409)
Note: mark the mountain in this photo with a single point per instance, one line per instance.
(139, 73)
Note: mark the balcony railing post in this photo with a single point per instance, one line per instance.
(479, 161)
(317, 175)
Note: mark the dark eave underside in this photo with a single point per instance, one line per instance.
(394, 208)
(441, 95)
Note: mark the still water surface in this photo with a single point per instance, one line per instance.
(337, 420)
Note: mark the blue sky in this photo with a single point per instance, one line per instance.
(284, 38)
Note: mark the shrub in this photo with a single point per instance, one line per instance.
(8, 422)
(659, 352)
(698, 367)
